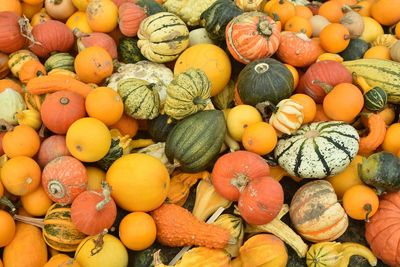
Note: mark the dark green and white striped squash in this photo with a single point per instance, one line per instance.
(217, 16)
(318, 150)
(195, 141)
(375, 99)
(60, 61)
(189, 92)
(128, 51)
(162, 37)
(264, 79)
(141, 99)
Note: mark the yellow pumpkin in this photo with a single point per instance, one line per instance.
(81, 5)
(61, 260)
(31, 9)
(95, 177)
(372, 29)
(209, 58)
(102, 15)
(79, 21)
(239, 118)
(110, 253)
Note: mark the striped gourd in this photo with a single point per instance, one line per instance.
(58, 231)
(60, 61)
(18, 58)
(318, 150)
(375, 99)
(162, 37)
(324, 254)
(379, 72)
(188, 93)
(196, 140)
(141, 99)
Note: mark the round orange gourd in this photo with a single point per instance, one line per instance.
(37, 202)
(334, 38)
(240, 117)
(303, 11)
(138, 173)
(299, 24)
(93, 64)
(344, 102)
(209, 58)
(260, 138)
(88, 139)
(7, 229)
(309, 106)
(20, 175)
(95, 177)
(21, 141)
(378, 52)
(137, 240)
(102, 15)
(40, 17)
(283, 9)
(31, 9)
(59, 9)
(386, 12)
(360, 202)
(126, 125)
(104, 104)
(11, 5)
(295, 74)
(61, 260)
(332, 10)
(391, 142)
(79, 21)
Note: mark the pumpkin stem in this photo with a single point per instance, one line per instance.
(261, 68)
(106, 194)
(326, 87)
(42, 130)
(79, 34)
(56, 189)
(29, 220)
(5, 126)
(5, 201)
(26, 30)
(200, 101)
(265, 28)
(346, 8)
(64, 100)
(98, 243)
(368, 208)
(156, 258)
(239, 181)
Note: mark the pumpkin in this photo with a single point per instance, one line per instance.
(299, 24)
(251, 36)
(51, 36)
(59, 9)
(287, 117)
(11, 84)
(160, 127)
(162, 37)
(79, 21)
(61, 259)
(4, 70)
(381, 230)
(334, 38)
(360, 202)
(60, 109)
(264, 79)
(37, 202)
(7, 230)
(188, 93)
(199, 36)
(11, 38)
(100, 39)
(40, 17)
(60, 61)
(141, 99)
(249, 5)
(395, 51)
(64, 178)
(130, 17)
(263, 250)
(353, 21)
(327, 72)
(217, 16)
(318, 22)
(128, 51)
(318, 150)
(206, 129)
(260, 138)
(375, 137)
(11, 102)
(22, 140)
(52, 147)
(31, 69)
(17, 60)
(386, 12)
(102, 15)
(327, 221)
(297, 49)
(12, 5)
(324, 254)
(355, 50)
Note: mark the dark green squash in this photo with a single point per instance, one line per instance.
(128, 51)
(150, 6)
(118, 145)
(195, 141)
(60, 61)
(160, 127)
(355, 50)
(215, 18)
(225, 98)
(375, 99)
(264, 79)
(382, 171)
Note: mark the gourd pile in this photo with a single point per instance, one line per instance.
(199, 133)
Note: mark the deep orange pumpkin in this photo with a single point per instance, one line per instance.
(96, 39)
(130, 17)
(52, 147)
(11, 38)
(21, 141)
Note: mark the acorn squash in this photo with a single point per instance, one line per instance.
(160, 127)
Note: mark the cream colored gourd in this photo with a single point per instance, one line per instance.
(288, 117)
(11, 102)
(188, 10)
(199, 36)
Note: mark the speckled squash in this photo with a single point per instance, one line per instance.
(318, 150)
(128, 51)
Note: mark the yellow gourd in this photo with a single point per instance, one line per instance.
(180, 185)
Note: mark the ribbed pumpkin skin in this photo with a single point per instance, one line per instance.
(162, 37)
(316, 214)
(195, 141)
(318, 150)
(130, 17)
(252, 35)
(4, 70)
(60, 61)
(264, 80)
(58, 231)
(11, 38)
(128, 51)
(141, 99)
(189, 92)
(159, 128)
(375, 99)
(217, 16)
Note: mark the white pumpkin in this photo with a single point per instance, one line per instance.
(11, 102)
(199, 36)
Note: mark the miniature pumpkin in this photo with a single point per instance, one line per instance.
(79, 21)
(130, 17)
(11, 102)
(189, 11)
(7, 230)
(360, 202)
(251, 36)
(37, 202)
(386, 12)
(334, 38)
(102, 15)
(327, 221)
(100, 39)
(64, 178)
(11, 38)
(353, 21)
(60, 9)
(287, 117)
(63, 260)
(31, 69)
(22, 140)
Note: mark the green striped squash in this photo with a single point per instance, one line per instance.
(141, 99)
(379, 72)
(128, 51)
(196, 140)
(162, 37)
(189, 92)
(375, 99)
(60, 61)
(318, 150)
(324, 254)
(58, 231)
(264, 79)
(18, 58)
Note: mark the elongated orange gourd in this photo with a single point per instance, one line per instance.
(377, 131)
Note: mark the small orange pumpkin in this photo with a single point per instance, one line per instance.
(360, 202)
(31, 69)
(130, 17)
(52, 147)
(334, 38)
(386, 12)
(21, 141)
(102, 15)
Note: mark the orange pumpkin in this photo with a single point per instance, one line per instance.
(63, 260)
(37, 202)
(52, 147)
(79, 21)
(360, 202)
(283, 10)
(40, 17)
(31, 69)
(130, 17)
(126, 125)
(9, 83)
(332, 10)
(21, 141)
(299, 24)
(309, 106)
(386, 12)
(303, 11)
(11, 5)
(102, 15)
(31, 9)
(391, 141)
(260, 138)
(7, 229)
(334, 38)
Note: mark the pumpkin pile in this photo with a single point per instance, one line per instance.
(218, 133)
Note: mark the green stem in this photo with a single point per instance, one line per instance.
(368, 209)
(5, 201)
(326, 87)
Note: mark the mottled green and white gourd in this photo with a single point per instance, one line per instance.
(162, 37)
(318, 150)
(188, 93)
(60, 61)
(141, 99)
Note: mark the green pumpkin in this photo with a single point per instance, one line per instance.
(189, 92)
(60, 61)
(195, 142)
(264, 79)
(128, 51)
(375, 99)
(141, 99)
(355, 50)
(217, 16)
(160, 127)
